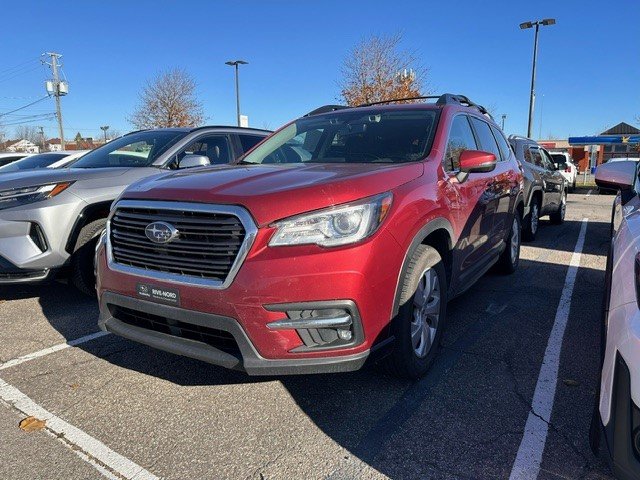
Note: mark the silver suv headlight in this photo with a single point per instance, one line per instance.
(15, 197)
(334, 226)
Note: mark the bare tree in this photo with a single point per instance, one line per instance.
(28, 132)
(376, 70)
(169, 100)
(113, 133)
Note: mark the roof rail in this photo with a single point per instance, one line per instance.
(326, 109)
(519, 137)
(444, 99)
(381, 102)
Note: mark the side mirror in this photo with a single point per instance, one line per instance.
(190, 161)
(616, 175)
(475, 161)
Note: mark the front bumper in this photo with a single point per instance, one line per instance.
(245, 357)
(33, 238)
(276, 284)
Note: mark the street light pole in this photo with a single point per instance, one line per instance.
(236, 63)
(532, 95)
(504, 117)
(104, 128)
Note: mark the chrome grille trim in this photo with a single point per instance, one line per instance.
(240, 213)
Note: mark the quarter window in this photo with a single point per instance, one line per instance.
(485, 137)
(460, 139)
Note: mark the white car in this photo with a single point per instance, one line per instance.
(44, 160)
(615, 428)
(566, 167)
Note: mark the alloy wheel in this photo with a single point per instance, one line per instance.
(515, 240)
(426, 313)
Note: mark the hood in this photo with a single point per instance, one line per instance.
(273, 192)
(45, 176)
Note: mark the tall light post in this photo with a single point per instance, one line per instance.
(532, 96)
(504, 117)
(235, 64)
(104, 128)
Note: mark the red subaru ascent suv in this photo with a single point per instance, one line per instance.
(342, 234)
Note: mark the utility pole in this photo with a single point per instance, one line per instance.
(57, 91)
(532, 95)
(104, 128)
(41, 131)
(235, 64)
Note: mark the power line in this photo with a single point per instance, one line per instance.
(24, 106)
(18, 73)
(19, 65)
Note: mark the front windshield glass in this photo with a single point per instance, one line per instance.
(34, 161)
(351, 136)
(136, 150)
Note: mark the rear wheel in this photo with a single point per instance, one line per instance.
(420, 321)
(557, 217)
(530, 227)
(82, 275)
(510, 257)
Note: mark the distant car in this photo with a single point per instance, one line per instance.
(44, 160)
(544, 186)
(566, 167)
(51, 218)
(615, 427)
(7, 158)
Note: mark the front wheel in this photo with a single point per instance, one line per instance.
(530, 227)
(510, 257)
(82, 273)
(557, 217)
(419, 324)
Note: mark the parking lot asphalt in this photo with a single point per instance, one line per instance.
(180, 418)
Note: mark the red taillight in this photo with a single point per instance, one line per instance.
(567, 170)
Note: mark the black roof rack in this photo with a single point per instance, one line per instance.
(326, 109)
(444, 99)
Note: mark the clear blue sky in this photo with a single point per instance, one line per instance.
(588, 75)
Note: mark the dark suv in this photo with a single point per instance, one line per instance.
(342, 234)
(545, 189)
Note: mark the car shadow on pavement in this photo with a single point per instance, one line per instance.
(548, 238)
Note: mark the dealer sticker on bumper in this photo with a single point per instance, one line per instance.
(158, 294)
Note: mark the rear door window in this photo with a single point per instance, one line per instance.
(214, 147)
(460, 139)
(249, 141)
(536, 157)
(502, 143)
(485, 137)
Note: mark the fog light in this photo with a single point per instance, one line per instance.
(345, 335)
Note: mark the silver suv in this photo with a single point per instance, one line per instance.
(544, 186)
(51, 219)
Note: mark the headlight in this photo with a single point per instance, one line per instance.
(20, 196)
(334, 226)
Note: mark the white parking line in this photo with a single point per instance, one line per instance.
(55, 348)
(529, 457)
(93, 451)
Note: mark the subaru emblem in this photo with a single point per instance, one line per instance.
(161, 232)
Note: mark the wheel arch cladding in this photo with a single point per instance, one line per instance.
(437, 233)
(88, 215)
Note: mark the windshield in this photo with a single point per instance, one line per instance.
(35, 161)
(136, 150)
(353, 136)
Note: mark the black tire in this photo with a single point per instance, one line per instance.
(508, 262)
(82, 275)
(529, 227)
(557, 217)
(404, 360)
(573, 185)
